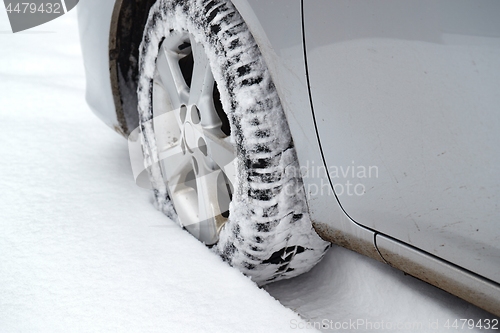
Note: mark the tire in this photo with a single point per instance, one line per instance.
(268, 234)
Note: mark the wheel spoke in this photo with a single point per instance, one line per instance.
(221, 151)
(166, 122)
(209, 208)
(202, 81)
(161, 99)
(202, 87)
(185, 200)
(175, 164)
(171, 77)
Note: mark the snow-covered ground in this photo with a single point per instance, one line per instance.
(83, 250)
(347, 288)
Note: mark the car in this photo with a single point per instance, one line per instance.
(271, 129)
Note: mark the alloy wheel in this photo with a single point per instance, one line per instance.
(193, 137)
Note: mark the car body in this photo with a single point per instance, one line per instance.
(394, 110)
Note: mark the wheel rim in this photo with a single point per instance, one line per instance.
(192, 135)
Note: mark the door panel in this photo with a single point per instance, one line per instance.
(407, 102)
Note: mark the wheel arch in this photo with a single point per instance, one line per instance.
(127, 25)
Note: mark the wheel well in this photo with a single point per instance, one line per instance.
(127, 26)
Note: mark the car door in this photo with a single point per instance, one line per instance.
(407, 108)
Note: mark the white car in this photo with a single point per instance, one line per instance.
(271, 128)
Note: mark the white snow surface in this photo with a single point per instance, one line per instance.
(82, 248)
(346, 288)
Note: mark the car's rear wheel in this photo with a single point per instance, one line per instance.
(209, 112)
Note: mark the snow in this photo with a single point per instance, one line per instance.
(346, 287)
(82, 248)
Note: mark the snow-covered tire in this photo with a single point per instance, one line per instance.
(269, 235)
